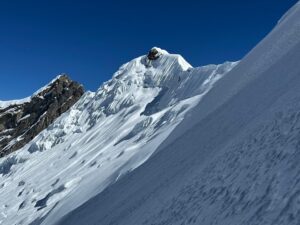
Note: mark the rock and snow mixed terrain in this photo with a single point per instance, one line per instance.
(21, 120)
(234, 160)
(163, 143)
(104, 136)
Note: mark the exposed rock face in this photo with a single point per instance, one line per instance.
(153, 54)
(20, 123)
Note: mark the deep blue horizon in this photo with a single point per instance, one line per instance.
(89, 40)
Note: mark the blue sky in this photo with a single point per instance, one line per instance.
(89, 39)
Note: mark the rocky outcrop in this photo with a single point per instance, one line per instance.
(20, 123)
(153, 54)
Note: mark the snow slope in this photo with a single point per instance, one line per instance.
(234, 160)
(104, 136)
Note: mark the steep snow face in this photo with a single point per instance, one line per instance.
(234, 160)
(104, 136)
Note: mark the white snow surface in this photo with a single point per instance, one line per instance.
(233, 161)
(104, 136)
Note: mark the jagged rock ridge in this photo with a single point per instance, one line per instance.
(20, 122)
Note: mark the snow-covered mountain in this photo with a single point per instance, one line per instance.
(104, 136)
(233, 161)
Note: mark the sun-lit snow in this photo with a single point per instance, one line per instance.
(233, 161)
(165, 143)
(105, 135)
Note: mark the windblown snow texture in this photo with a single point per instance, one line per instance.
(234, 160)
(104, 136)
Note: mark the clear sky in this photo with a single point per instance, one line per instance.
(90, 39)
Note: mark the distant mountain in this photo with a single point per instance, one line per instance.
(104, 136)
(233, 161)
(21, 120)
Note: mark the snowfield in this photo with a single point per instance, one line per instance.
(104, 136)
(234, 160)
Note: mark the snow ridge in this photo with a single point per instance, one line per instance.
(289, 13)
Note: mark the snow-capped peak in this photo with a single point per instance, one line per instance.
(161, 51)
(163, 64)
(140, 76)
(105, 135)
